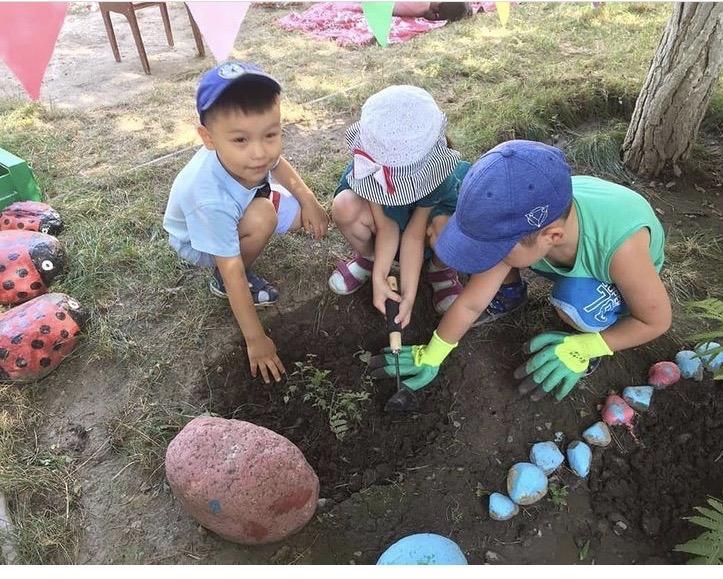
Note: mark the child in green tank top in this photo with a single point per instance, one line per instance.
(599, 242)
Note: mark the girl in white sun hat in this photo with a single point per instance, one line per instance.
(397, 195)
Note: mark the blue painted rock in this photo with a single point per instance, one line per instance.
(35, 337)
(617, 412)
(547, 456)
(502, 508)
(423, 549)
(638, 397)
(690, 364)
(29, 262)
(598, 434)
(579, 456)
(526, 483)
(31, 216)
(663, 374)
(712, 361)
(244, 482)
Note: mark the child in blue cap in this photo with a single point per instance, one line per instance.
(600, 243)
(235, 193)
(395, 196)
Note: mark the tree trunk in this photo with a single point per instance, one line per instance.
(677, 89)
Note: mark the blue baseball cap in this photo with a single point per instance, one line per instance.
(218, 79)
(513, 190)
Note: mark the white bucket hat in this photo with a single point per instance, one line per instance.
(399, 147)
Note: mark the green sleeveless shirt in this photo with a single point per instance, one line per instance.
(608, 214)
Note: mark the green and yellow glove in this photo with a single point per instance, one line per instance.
(418, 365)
(559, 360)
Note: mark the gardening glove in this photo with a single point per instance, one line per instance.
(419, 365)
(559, 360)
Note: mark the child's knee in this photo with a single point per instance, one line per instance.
(435, 228)
(346, 207)
(259, 219)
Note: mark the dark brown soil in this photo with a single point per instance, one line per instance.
(332, 337)
(471, 427)
(651, 487)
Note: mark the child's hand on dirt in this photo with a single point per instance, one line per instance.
(382, 293)
(263, 356)
(314, 219)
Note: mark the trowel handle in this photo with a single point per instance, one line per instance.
(392, 310)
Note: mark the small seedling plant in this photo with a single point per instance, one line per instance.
(558, 495)
(343, 408)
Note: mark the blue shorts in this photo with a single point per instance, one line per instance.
(591, 304)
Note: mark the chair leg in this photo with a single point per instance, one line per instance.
(196, 33)
(166, 23)
(111, 35)
(133, 21)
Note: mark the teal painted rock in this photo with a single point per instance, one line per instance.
(579, 456)
(713, 361)
(690, 364)
(638, 397)
(526, 483)
(502, 508)
(547, 456)
(423, 549)
(598, 434)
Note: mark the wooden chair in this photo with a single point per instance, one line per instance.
(129, 9)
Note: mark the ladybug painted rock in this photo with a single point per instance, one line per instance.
(36, 336)
(29, 262)
(31, 216)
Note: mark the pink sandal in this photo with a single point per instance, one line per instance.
(440, 296)
(343, 281)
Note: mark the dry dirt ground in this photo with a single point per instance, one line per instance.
(429, 472)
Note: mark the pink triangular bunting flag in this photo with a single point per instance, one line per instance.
(28, 32)
(219, 23)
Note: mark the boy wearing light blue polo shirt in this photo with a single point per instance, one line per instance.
(235, 193)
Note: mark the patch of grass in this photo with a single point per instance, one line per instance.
(40, 487)
(598, 152)
(690, 262)
(142, 431)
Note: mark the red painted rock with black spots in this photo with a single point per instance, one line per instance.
(31, 216)
(29, 262)
(35, 337)
(244, 482)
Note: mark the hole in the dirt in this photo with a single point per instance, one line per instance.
(333, 337)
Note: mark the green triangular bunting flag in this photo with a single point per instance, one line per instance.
(379, 19)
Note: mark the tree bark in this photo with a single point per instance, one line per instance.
(677, 90)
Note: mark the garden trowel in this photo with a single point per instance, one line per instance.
(394, 329)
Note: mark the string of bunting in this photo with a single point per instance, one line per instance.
(29, 32)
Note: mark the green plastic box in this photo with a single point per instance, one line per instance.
(17, 182)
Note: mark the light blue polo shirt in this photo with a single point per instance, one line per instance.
(204, 209)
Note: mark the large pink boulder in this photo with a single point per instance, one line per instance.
(244, 482)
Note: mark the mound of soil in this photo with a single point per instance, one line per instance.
(678, 462)
(332, 337)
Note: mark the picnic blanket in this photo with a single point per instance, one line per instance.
(344, 23)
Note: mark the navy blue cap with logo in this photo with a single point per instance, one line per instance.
(514, 189)
(218, 79)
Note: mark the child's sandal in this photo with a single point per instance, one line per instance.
(263, 293)
(343, 281)
(441, 295)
